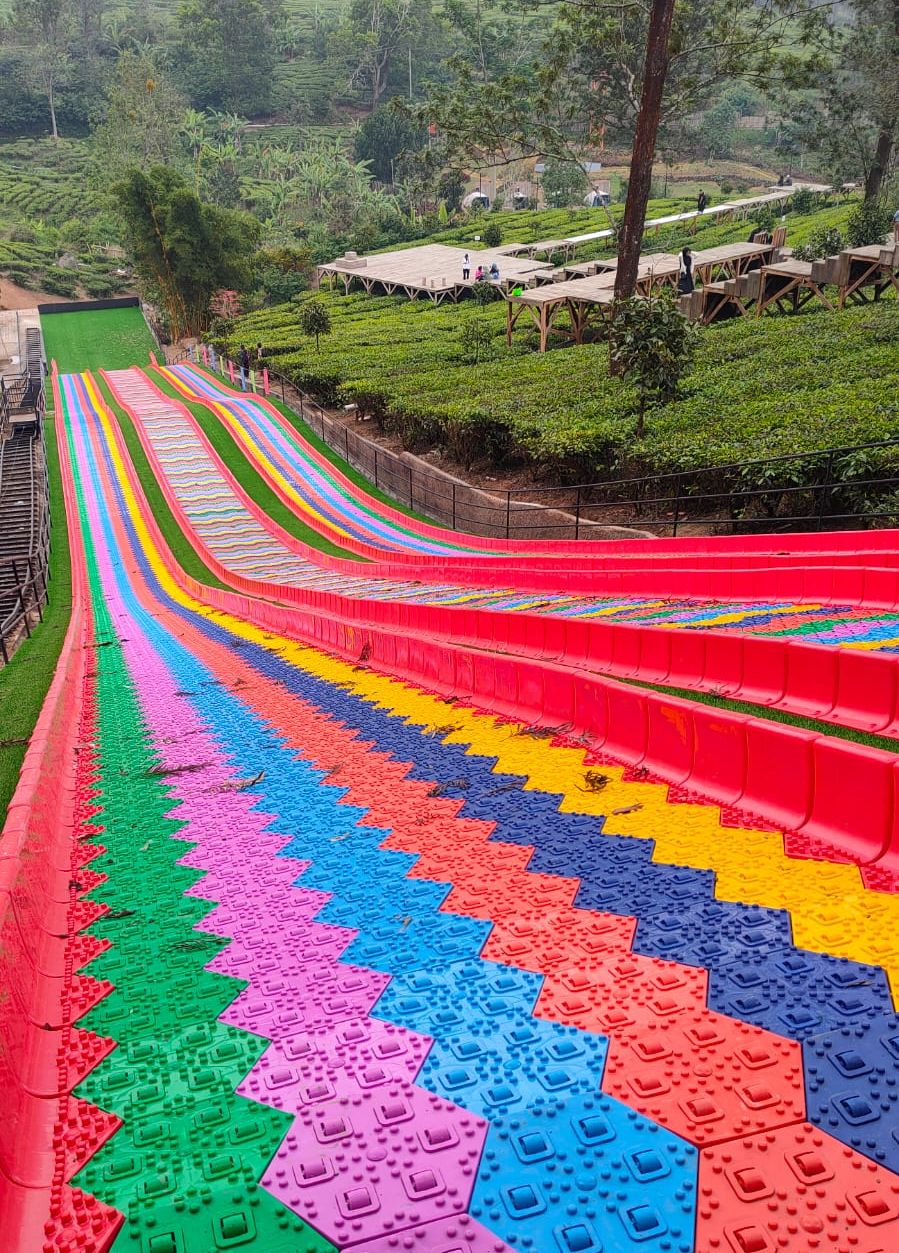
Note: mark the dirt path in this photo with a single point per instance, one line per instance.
(12, 296)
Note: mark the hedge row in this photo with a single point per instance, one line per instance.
(758, 389)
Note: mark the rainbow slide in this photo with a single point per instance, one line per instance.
(393, 902)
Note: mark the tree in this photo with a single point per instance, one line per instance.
(563, 183)
(142, 117)
(868, 224)
(476, 340)
(315, 320)
(226, 52)
(451, 188)
(652, 345)
(854, 124)
(631, 71)
(373, 36)
(184, 250)
(45, 26)
(383, 139)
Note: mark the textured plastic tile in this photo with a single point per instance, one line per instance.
(556, 940)
(707, 1077)
(852, 1081)
(619, 993)
(319, 998)
(390, 1158)
(794, 1189)
(800, 994)
(714, 934)
(499, 1067)
(314, 1066)
(441, 1002)
(459, 1234)
(584, 1175)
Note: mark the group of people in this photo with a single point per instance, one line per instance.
(481, 274)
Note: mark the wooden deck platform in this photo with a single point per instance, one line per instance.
(586, 299)
(433, 270)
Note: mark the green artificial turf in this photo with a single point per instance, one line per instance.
(250, 479)
(24, 682)
(107, 339)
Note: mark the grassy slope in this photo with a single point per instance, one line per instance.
(250, 479)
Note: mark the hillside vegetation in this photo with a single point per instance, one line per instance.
(757, 389)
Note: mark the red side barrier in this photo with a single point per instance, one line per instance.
(782, 774)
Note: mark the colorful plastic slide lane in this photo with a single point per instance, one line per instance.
(373, 972)
(797, 779)
(310, 483)
(226, 525)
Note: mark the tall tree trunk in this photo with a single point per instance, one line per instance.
(655, 71)
(51, 97)
(879, 165)
(884, 149)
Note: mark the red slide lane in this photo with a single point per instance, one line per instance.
(839, 796)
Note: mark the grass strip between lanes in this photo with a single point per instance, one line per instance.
(250, 479)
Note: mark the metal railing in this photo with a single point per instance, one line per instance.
(839, 488)
(24, 580)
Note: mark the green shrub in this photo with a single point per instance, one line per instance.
(824, 242)
(492, 234)
(868, 224)
(483, 292)
(803, 200)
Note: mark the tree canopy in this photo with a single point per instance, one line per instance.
(184, 249)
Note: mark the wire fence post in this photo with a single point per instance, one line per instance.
(409, 468)
(577, 514)
(825, 486)
(677, 486)
(20, 592)
(508, 514)
(454, 504)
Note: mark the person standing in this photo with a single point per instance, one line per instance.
(244, 366)
(466, 268)
(896, 227)
(701, 201)
(685, 272)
